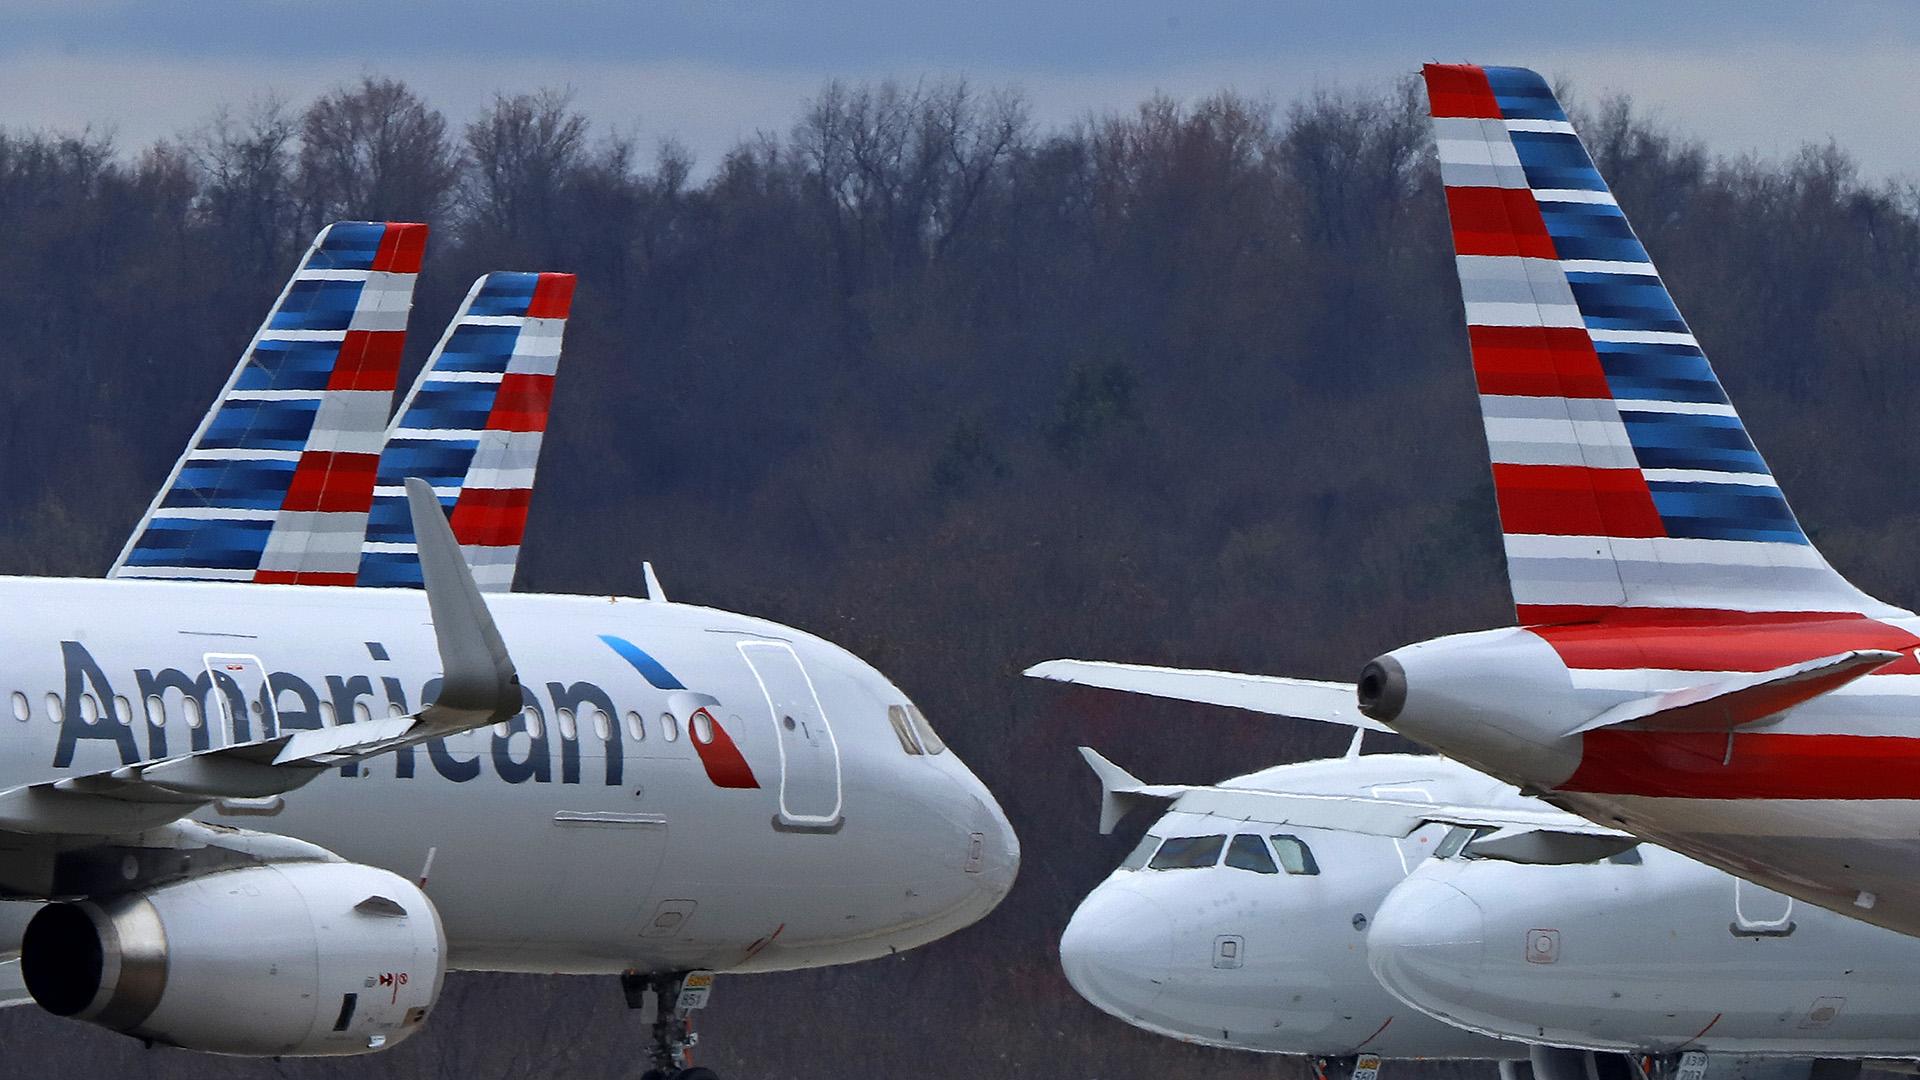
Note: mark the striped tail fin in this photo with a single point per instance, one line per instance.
(277, 482)
(472, 426)
(1624, 476)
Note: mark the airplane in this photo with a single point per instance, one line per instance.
(1613, 947)
(1641, 951)
(638, 788)
(1228, 931)
(1687, 666)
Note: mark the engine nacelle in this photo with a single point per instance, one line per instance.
(282, 959)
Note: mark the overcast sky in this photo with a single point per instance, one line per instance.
(709, 72)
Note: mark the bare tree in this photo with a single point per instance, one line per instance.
(245, 166)
(523, 152)
(376, 151)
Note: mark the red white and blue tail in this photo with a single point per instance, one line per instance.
(277, 482)
(471, 427)
(1624, 476)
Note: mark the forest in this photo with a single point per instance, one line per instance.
(1181, 383)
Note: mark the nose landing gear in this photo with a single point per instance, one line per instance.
(675, 995)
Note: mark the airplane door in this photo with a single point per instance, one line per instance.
(241, 694)
(809, 756)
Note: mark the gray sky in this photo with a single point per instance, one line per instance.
(709, 72)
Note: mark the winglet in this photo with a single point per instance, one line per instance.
(654, 591)
(477, 675)
(1120, 790)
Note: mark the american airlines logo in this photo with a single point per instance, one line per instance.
(524, 753)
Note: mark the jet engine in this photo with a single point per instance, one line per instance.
(304, 959)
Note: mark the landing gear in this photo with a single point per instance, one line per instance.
(675, 995)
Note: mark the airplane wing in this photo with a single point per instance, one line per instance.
(1743, 699)
(479, 687)
(1306, 699)
(1519, 834)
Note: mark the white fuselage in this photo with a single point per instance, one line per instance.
(621, 833)
(1149, 946)
(1653, 956)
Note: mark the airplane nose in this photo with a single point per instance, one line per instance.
(1427, 936)
(1117, 950)
(999, 856)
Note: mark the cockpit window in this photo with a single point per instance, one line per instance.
(1295, 857)
(925, 730)
(1249, 852)
(1188, 852)
(1450, 844)
(903, 729)
(1141, 852)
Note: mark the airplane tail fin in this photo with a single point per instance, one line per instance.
(472, 427)
(1624, 476)
(276, 482)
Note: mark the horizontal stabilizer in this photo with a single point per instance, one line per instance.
(1305, 699)
(1745, 699)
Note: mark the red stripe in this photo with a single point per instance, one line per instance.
(369, 360)
(1498, 221)
(1723, 641)
(1693, 765)
(521, 403)
(401, 248)
(303, 577)
(552, 297)
(1573, 500)
(491, 517)
(1537, 361)
(725, 765)
(1460, 90)
(329, 482)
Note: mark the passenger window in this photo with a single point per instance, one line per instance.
(602, 725)
(702, 727)
(190, 708)
(56, 710)
(156, 711)
(903, 729)
(1141, 853)
(925, 730)
(1295, 857)
(22, 710)
(328, 717)
(1188, 853)
(394, 711)
(123, 711)
(569, 727)
(89, 709)
(1249, 852)
(361, 713)
(536, 727)
(669, 727)
(636, 726)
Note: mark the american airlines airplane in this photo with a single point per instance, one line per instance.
(393, 782)
(1688, 667)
